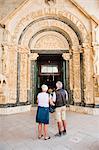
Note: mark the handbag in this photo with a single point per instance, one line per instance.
(51, 108)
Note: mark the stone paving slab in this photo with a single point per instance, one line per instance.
(19, 132)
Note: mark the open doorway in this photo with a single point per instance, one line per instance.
(50, 70)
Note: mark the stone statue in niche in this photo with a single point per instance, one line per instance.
(3, 87)
(48, 1)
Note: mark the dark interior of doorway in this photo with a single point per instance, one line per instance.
(49, 78)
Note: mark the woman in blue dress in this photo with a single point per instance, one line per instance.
(42, 116)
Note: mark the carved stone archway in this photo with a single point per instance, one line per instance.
(44, 21)
(67, 16)
(47, 21)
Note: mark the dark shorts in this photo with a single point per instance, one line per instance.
(42, 115)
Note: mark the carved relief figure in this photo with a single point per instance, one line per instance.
(3, 86)
(48, 1)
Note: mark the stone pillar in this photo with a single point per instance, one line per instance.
(71, 77)
(96, 74)
(71, 73)
(28, 79)
(88, 75)
(96, 63)
(33, 58)
(23, 80)
(9, 71)
(4, 89)
(76, 76)
(0, 58)
(66, 76)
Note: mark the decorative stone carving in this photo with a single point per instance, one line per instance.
(23, 77)
(52, 12)
(76, 75)
(96, 65)
(21, 50)
(3, 89)
(3, 58)
(71, 70)
(50, 42)
(49, 1)
(33, 56)
(88, 73)
(66, 56)
(6, 36)
(96, 56)
(96, 61)
(56, 25)
(10, 71)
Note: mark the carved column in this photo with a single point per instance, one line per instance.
(28, 79)
(96, 74)
(0, 58)
(10, 72)
(33, 58)
(76, 76)
(66, 73)
(71, 77)
(23, 80)
(88, 75)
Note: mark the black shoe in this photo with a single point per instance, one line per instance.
(58, 135)
(47, 138)
(39, 137)
(64, 132)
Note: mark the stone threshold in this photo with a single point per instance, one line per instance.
(20, 109)
(84, 110)
(14, 110)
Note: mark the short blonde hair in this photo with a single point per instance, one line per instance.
(59, 84)
(44, 88)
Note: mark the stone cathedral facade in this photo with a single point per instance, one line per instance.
(44, 41)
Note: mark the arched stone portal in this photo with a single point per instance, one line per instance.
(53, 36)
(51, 32)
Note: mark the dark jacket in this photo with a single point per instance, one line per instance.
(61, 97)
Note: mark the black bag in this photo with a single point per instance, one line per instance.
(51, 108)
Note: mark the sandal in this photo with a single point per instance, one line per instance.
(39, 137)
(47, 138)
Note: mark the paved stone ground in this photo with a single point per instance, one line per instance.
(19, 132)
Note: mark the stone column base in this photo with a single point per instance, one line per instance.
(14, 110)
(97, 102)
(84, 110)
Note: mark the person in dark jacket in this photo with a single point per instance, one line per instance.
(60, 103)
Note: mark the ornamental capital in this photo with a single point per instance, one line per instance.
(66, 56)
(33, 56)
(86, 45)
